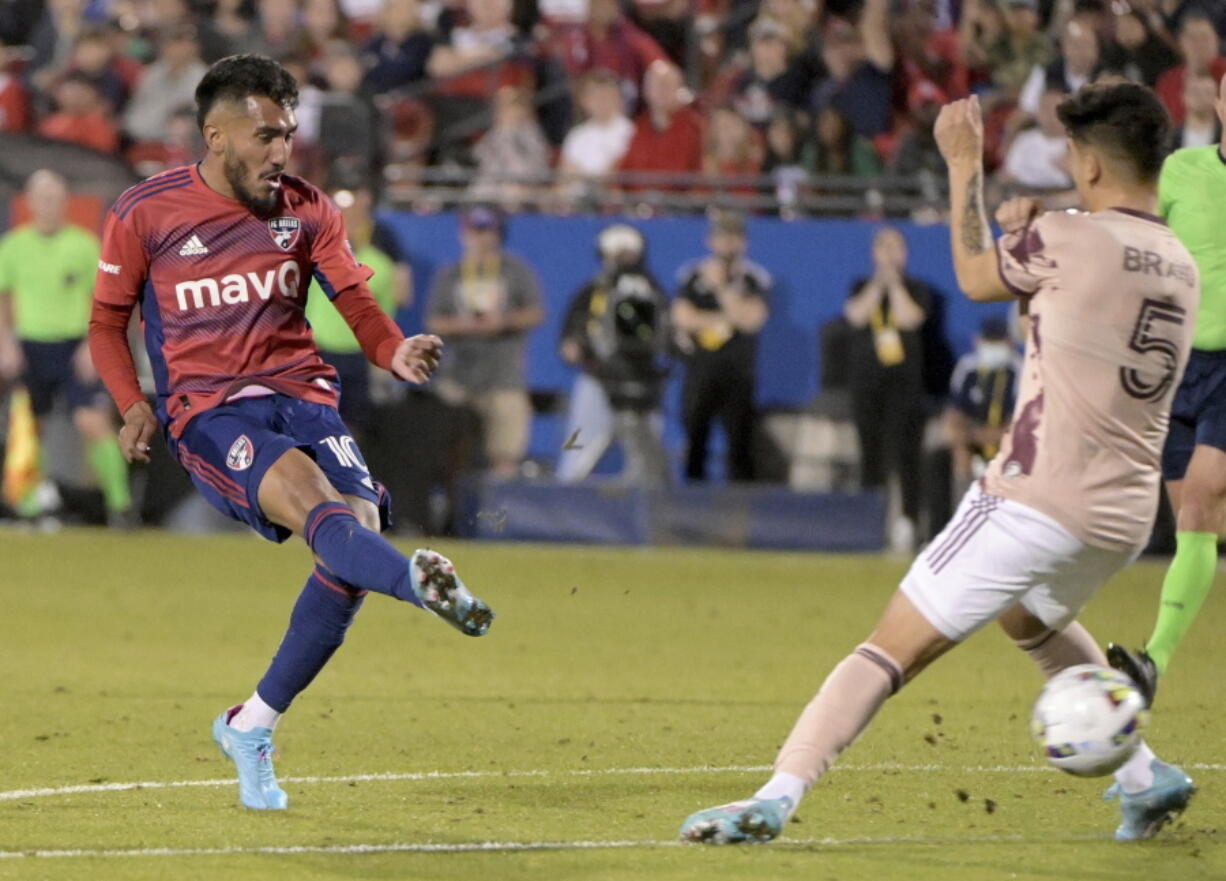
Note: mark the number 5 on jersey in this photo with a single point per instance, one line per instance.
(1148, 339)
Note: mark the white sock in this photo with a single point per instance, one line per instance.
(784, 784)
(1136, 774)
(255, 714)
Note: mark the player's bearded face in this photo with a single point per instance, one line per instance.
(250, 185)
(256, 153)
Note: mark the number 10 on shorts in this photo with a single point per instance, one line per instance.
(346, 451)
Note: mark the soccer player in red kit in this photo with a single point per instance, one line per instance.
(218, 257)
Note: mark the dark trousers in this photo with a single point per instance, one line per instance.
(723, 388)
(888, 409)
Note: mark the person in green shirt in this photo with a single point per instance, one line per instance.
(1192, 199)
(47, 270)
(391, 285)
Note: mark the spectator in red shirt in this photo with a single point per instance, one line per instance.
(927, 53)
(1201, 47)
(81, 116)
(733, 149)
(608, 41)
(14, 100)
(668, 133)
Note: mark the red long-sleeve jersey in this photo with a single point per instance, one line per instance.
(222, 295)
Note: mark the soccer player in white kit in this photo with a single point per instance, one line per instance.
(1071, 497)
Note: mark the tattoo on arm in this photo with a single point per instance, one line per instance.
(974, 225)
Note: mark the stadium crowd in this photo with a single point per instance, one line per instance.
(554, 104)
(532, 101)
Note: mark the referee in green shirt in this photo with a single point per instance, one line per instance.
(391, 285)
(1192, 198)
(47, 270)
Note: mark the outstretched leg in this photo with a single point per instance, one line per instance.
(296, 494)
(900, 647)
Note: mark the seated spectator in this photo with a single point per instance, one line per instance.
(773, 81)
(593, 148)
(668, 133)
(230, 30)
(278, 33)
(53, 39)
(1201, 47)
(14, 99)
(1201, 125)
(322, 22)
(981, 397)
(180, 144)
(1146, 54)
(787, 161)
(841, 150)
(487, 39)
(917, 151)
(860, 61)
(607, 40)
(1038, 157)
(1022, 47)
(928, 53)
(980, 29)
(1080, 62)
(732, 149)
(396, 53)
(1098, 16)
(167, 84)
(82, 115)
(513, 156)
(667, 22)
(94, 57)
(348, 119)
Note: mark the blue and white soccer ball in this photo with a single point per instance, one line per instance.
(1088, 720)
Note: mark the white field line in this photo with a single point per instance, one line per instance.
(493, 847)
(46, 792)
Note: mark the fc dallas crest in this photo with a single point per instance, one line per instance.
(284, 231)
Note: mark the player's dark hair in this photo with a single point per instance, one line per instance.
(239, 77)
(1124, 120)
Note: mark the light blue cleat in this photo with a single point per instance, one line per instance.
(442, 592)
(755, 820)
(1144, 813)
(251, 751)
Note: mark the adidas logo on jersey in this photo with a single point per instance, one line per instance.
(193, 247)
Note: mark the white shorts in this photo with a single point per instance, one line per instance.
(996, 552)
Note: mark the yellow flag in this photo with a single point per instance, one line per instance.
(21, 470)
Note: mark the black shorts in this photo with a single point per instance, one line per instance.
(1198, 414)
(49, 373)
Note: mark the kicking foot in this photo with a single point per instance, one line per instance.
(442, 592)
(755, 820)
(1137, 666)
(1144, 813)
(251, 751)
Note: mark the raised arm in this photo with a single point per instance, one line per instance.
(875, 33)
(959, 134)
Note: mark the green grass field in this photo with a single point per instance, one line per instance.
(618, 691)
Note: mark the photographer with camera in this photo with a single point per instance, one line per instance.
(616, 333)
